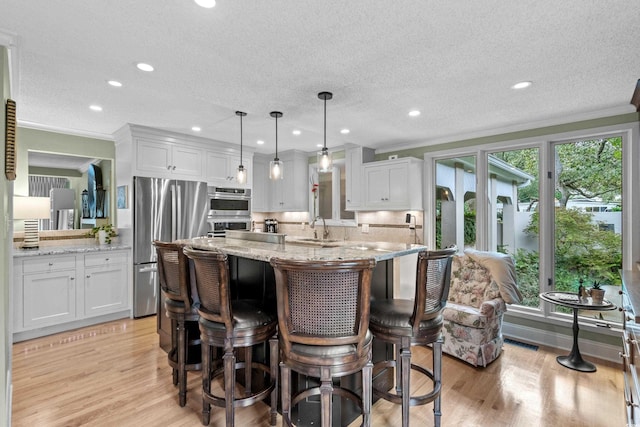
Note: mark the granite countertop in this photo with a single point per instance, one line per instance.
(305, 249)
(69, 249)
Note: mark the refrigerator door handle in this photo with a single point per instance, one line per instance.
(173, 212)
(152, 269)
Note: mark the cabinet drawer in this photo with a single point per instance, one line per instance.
(105, 258)
(45, 264)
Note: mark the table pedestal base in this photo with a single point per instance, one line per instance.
(575, 363)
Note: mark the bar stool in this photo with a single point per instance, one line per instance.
(230, 325)
(323, 316)
(405, 323)
(173, 275)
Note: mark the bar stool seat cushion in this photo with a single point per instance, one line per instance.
(179, 307)
(247, 314)
(396, 314)
(328, 352)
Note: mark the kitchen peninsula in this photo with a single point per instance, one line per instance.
(251, 277)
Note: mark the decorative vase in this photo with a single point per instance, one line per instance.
(597, 296)
(102, 237)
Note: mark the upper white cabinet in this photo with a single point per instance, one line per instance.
(164, 159)
(289, 194)
(222, 166)
(154, 153)
(393, 184)
(260, 194)
(354, 158)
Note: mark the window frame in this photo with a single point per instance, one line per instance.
(545, 143)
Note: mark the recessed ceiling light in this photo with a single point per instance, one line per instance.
(345, 131)
(260, 142)
(521, 85)
(296, 132)
(196, 129)
(144, 67)
(95, 107)
(206, 3)
(114, 83)
(414, 113)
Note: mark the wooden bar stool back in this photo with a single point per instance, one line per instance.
(323, 315)
(173, 276)
(229, 325)
(405, 323)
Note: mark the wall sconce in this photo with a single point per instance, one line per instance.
(31, 209)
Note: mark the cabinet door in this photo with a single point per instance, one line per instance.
(377, 186)
(353, 173)
(398, 189)
(154, 158)
(49, 298)
(186, 161)
(260, 194)
(105, 283)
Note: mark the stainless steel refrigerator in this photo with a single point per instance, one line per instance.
(166, 210)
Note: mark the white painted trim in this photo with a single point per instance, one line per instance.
(588, 348)
(556, 121)
(9, 40)
(66, 131)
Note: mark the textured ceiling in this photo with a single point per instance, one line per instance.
(454, 61)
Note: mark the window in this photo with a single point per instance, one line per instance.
(556, 205)
(329, 199)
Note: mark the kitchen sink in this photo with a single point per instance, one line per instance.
(322, 243)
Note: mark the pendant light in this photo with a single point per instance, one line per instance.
(241, 174)
(275, 166)
(324, 158)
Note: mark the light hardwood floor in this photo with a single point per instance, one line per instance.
(115, 374)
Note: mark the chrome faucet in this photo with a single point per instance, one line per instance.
(325, 230)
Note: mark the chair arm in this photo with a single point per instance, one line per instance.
(493, 307)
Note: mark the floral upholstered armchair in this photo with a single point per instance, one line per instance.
(482, 283)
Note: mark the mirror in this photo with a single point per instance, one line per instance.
(330, 201)
(74, 173)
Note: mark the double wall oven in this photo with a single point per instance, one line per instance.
(229, 209)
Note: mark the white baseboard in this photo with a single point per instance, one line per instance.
(564, 342)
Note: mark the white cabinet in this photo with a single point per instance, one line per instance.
(354, 158)
(48, 291)
(222, 166)
(260, 194)
(53, 293)
(105, 283)
(393, 184)
(168, 160)
(291, 193)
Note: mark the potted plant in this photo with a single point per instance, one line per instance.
(597, 293)
(103, 233)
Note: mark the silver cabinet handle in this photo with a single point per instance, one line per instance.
(106, 259)
(72, 278)
(173, 168)
(168, 167)
(88, 276)
(50, 264)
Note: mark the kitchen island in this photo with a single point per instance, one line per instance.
(252, 277)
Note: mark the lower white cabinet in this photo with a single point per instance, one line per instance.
(105, 283)
(51, 291)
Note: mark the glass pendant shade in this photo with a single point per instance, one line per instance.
(276, 166)
(275, 169)
(324, 161)
(241, 175)
(241, 172)
(324, 158)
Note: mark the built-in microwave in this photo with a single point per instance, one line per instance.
(218, 226)
(229, 202)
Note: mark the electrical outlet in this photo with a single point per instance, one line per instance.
(365, 228)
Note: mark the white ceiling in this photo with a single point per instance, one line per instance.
(454, 61)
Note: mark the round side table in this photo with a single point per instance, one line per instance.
(574, 359)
